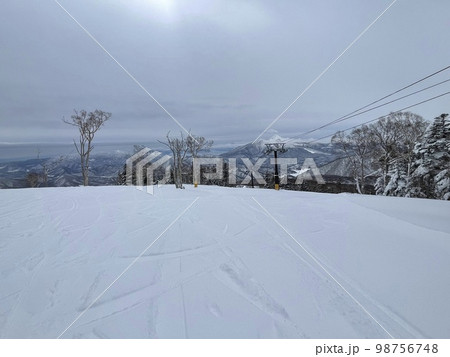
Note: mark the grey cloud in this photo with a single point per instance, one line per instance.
(225, 68)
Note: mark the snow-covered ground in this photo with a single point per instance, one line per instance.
(373, 266)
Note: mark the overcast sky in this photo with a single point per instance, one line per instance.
(224, 69)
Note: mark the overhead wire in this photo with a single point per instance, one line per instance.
(378, 118)
(360, 110)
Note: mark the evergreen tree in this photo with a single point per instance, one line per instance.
(431, 169)
(398, 180)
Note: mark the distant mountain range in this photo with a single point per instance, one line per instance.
(104, 168)
(63, 171)
(321, 153)
(328, 158)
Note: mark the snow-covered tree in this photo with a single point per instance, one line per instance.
(384, 149)
(394, 138)
(398, 180)
(179, 149)
(357, 145)
(87, 124)
(431, 169)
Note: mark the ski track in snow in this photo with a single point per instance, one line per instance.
(224, 269)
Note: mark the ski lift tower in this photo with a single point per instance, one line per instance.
(275, 148)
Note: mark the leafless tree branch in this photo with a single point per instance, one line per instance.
(88, 124)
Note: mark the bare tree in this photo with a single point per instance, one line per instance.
(179, 149)
(195, 144)
(386, 134)
(88, 124)
(33, 179)
(48, 169)
(39, 178)
(394, 137)
(358, 146)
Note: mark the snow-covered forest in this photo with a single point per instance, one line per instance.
(408, 156)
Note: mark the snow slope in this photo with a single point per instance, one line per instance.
(376, 266)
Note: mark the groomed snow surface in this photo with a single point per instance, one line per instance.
(224, 269)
